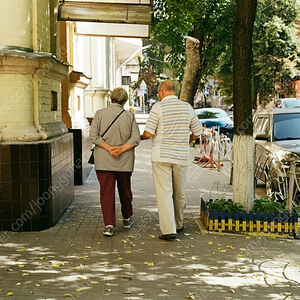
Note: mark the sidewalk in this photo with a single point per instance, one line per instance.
(141, 119)
(73, 260)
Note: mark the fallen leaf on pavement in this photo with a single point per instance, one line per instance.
(230, 247)
(190, 296)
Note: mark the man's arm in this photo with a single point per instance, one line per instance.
(193, 137)
(146, 135)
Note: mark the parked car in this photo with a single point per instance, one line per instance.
(277, 148)
(216, 117)
(288, 102)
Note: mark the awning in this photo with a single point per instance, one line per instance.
(105, 12)
(133, 17)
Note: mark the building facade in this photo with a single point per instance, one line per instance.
(52, 81)
(36, 179)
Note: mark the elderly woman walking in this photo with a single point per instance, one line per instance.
(115, 134)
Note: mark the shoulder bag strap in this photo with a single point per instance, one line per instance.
(113, 122)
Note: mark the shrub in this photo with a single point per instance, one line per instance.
(262, 204)
(222, 204)
(269, 205)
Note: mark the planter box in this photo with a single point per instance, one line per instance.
(252, 222)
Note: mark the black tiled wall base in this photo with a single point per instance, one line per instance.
(36, 183)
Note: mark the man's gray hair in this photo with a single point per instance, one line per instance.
(119, 95)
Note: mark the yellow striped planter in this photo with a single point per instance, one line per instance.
(252, 222)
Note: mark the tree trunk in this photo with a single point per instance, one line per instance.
(243, 163)
(191, 75)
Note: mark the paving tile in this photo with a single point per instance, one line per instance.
(75, 258)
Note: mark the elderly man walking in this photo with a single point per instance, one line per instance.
(173, 124)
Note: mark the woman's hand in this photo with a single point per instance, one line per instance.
(115, 151)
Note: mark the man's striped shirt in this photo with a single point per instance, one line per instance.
(171, 121)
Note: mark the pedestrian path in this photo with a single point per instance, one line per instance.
(141, 119)
(73, 260)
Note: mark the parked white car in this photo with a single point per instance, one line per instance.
(277, 149)
(288, 103)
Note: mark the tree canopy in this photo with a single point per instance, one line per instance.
(275, 52)
(275, 42)
(209, 21)
(275, 48)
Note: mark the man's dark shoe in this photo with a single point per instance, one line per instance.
(127, 223)
(178, 230)
(167, 237)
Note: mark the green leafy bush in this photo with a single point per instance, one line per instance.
(269, 205)
(227, 205)
(262, 204)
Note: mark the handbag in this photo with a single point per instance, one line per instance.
(91, 159)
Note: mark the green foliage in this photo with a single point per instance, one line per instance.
(275, 48)
(208, 21)
(275, 43)
(153, 55)
(152, 64)
(262, 204)
(207, 115)
(223, 74)
(275, 52)
(227, 205)
(297, 210)
(269, 205)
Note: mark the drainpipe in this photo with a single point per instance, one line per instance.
(35, 80)
(34, 43)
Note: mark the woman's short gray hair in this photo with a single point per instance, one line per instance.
(119, 95)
